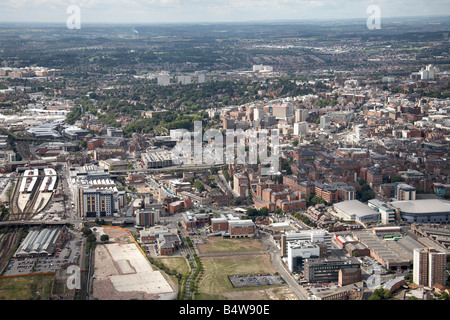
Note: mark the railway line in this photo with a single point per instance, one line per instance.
(24, 211)
(7, 245)
(28, 210)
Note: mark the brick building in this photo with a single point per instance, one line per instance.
(241, 184)
(219, 224)
(241, 228)
(348, 276)
(326, 192)
(374, 177)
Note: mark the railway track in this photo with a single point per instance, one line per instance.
(14, 207)
(7, 245)
(27, 212)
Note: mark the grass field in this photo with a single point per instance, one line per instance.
(26, 288)
(178, 264)
(221, 245)
(215, 284)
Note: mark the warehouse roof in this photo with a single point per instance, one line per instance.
(355, 208)
(39, 242)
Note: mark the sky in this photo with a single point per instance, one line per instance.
(198, 11)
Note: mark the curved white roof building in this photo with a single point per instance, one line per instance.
(426, 210)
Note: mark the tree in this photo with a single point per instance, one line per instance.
(251, 212)
(279, 211)
(199, 186)
(91, 238)
(264, 211)
(86, 231)
(380, 294)
(366, 193)
(396, 179)
(409, 277)
(317, 200)
(374, 297)
(104, 238)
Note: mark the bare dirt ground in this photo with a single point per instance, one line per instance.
(116, 235)
(103, 287)
(108, 268)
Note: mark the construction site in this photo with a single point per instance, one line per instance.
(32, 192)
(123, 272)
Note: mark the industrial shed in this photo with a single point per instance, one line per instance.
(38, 243)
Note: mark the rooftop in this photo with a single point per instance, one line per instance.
(355, 207)
(423, 206)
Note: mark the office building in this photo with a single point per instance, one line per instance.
(96, 195)
(325, 122)
(93, 202)
(348, 276)
(157, 158)
(262, 68)
(258, 114)
(201, 77)
(281, 112)
(428, 73)
(301, 115)
(387, 212)
(241, 228)
(327, 270)
(167, 241)
(184, 79)
(300, 250)
(147, 218)
(300, 128)
(404, 191)
(315, 236)
(163, 79)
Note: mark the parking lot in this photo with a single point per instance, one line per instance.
(371, 266)
(69, 254)
(317, 288)
(255, 280)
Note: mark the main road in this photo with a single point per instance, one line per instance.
(279, 265)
